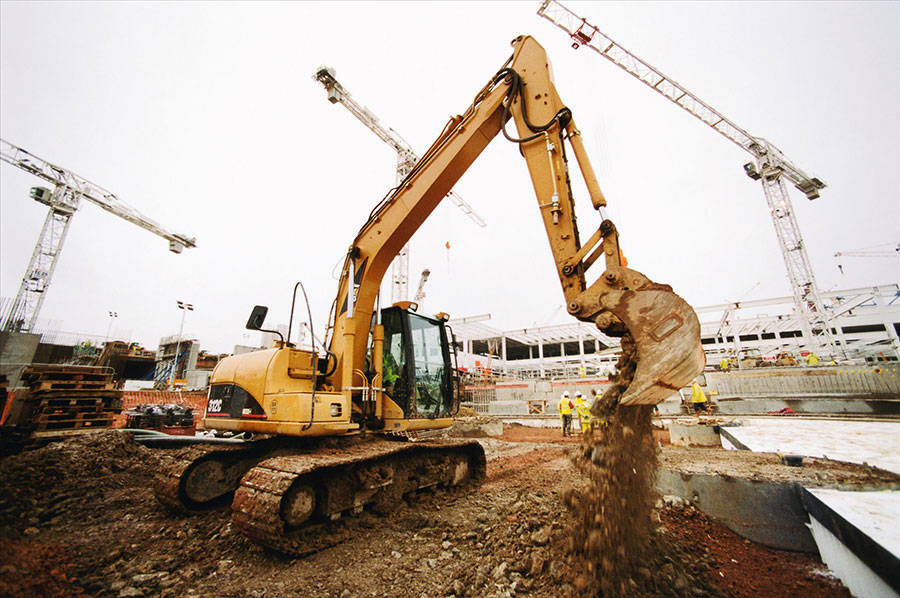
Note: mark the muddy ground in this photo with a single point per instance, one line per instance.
(79, 518)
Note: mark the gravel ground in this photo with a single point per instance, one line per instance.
(79, 518)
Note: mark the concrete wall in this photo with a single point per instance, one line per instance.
(520, 398)
(17, 350)
(766, 512)
(808, 382)
(859, 390)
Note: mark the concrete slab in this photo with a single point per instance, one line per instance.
(873, 513)
(857, 537)
(875, 443)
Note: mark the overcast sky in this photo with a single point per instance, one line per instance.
(205, 117)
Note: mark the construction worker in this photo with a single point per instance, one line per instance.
(576, 413)
(698, 397)
(585, 417)
(812, 359)
(595, 421)
(390, 373)
(724, 364)
(565, 407)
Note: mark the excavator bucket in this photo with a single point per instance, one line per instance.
(666, 336)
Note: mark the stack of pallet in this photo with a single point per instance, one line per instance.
(66, 399)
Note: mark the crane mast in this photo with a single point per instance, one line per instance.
(770, 166)
(406, 160)
(420, 291)
(63, 200)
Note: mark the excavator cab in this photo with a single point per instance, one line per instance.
(417, 373)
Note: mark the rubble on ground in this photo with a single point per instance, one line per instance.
(79, 518)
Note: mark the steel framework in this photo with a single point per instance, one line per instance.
(406, 160)
(771, 167)
(64, 200)
(868, 319)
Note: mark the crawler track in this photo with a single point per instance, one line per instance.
(291, 503)
(206, 477)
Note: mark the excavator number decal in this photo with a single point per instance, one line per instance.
(230, 400)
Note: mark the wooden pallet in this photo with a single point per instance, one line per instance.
(93, 424)
(50, 385)
(74, 394)
(73, 420)
(110, 403)
(67, 377)
(66, 399)
(73, 372)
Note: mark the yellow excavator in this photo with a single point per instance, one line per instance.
(344, 426)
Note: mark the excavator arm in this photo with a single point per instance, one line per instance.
(285, 484)
(662, 333)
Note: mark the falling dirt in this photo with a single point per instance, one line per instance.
(612, 524)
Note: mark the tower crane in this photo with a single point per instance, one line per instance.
(63, 200)
(420, 291)
(892, 252)
(406, 159)
(770, 166)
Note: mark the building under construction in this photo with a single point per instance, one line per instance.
(866, 322)
(644, 447)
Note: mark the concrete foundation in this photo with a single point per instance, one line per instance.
(766, 512)
(693, 435)
(513, 407)
(476, 428)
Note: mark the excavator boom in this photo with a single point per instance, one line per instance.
(664, 328)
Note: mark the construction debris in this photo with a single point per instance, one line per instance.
(169, 418)
(79, 518)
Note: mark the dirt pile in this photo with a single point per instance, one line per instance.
(43, 484)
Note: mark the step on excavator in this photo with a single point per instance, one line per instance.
(345, 426)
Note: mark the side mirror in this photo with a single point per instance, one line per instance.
(257, 317)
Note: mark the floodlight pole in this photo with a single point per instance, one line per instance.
(184, 307)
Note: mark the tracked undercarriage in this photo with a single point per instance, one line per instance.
(287, 497)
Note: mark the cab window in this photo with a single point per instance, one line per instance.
(431, 375)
